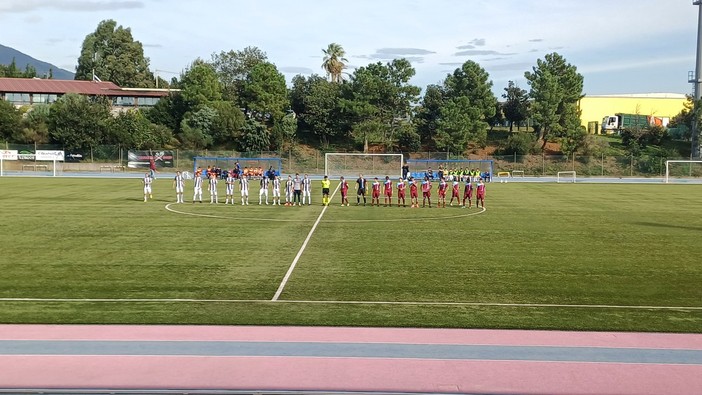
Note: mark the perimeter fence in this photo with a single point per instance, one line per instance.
(113, 158)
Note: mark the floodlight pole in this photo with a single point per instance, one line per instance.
(697, 87)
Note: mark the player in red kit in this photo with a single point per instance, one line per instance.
(344, 192)
(401, 186)
(388, 191)
(480, 194)
(375, 197)
(455, 192)
(426, 191)
(442, 193)
(468, 193)
(414, 194)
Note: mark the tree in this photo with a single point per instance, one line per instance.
(379, 98)
(196, 128)
(12, 71)
(683, 120)
(169, 112)
(556, 88)
(408, 139)
(473, 82)
(35, 125)
(112, 54)
(10, 120)
(428, 112)
(333, 62)
(498, 118)
(316, 103)
(467, 105)
(255, 137)
(285, 131)
(199, 84)
(266, 94)
(516, 104)
(78, 122)
(227, 125)
(134, 130)
(233, 68)
(458, 124)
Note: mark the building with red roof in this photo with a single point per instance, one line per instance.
(30, 91)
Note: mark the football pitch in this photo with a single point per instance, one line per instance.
(541, 256)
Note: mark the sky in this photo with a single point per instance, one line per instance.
(622, 46)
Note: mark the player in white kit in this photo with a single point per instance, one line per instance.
(197, 187)
(244, 188)
(230, 187)
(306, 190)
(213, 188)
(289, 191)
(147, 186)
(179, 185)
(276, 190)
(264, 189)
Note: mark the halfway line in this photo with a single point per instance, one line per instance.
(302, 249)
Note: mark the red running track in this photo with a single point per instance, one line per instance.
(343, 373)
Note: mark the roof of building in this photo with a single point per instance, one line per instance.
(93, 88)
(662, 95)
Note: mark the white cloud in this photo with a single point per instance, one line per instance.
(19, 6)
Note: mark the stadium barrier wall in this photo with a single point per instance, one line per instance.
(312, 161)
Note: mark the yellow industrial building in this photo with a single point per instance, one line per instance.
(660, 105)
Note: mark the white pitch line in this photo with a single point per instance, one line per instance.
(416, 219)
(302, 249)
(350, 302)
(168, 207)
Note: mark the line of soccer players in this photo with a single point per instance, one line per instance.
(426, 187)
(298, 190)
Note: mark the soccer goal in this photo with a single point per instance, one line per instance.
(565, 176)
(338, 164)
(419, 167)
(226, 163)
(682, 169)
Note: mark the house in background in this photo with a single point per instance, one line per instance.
(31, 91)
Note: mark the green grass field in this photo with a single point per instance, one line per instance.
(612, 250)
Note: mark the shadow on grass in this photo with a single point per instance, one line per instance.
(659, 225)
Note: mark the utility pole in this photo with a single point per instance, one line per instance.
(697, 86)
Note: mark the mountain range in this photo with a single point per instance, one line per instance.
(22, 60)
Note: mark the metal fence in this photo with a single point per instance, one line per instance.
(312, 161)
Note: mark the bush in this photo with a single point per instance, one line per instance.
(519, 144)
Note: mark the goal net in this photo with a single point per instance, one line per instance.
(455, 167)
(248, 164)
(565, 176)
(370, 165)
(679, 170)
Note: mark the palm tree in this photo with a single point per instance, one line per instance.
(334, 61)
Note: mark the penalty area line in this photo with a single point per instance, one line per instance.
(281, 287)
(350, 302)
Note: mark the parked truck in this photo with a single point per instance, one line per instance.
(617, 122)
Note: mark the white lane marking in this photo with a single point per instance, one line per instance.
(350, 302)
(302, 249)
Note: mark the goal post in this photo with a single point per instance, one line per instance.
(337, 164)
(566, 176)
(688, 172)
